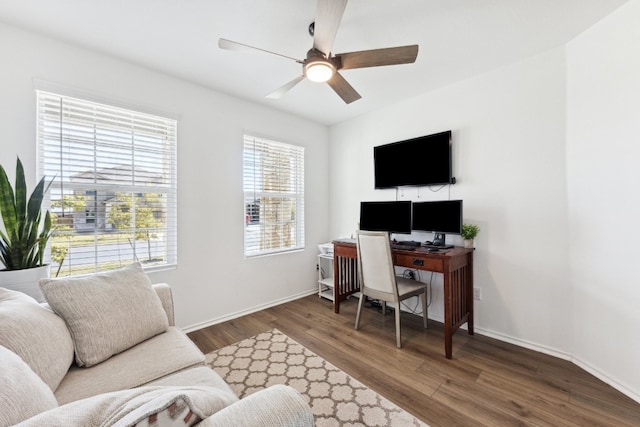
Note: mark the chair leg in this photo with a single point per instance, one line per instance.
(425, 309)
(398, 326)
(384, 308)
(360, 303)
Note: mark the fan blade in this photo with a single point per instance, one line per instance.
(378, 57)
(328, 16)
(280, 92)
(231, 45)
(343, 88)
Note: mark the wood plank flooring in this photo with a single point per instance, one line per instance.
(487, 383)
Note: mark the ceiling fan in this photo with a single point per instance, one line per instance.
(320, 66)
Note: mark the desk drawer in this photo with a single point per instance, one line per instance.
(419, 262)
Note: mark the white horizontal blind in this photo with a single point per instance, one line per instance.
(113, 196)
(273, 196)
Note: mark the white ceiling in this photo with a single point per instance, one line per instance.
(457, 38)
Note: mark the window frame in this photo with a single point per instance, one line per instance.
(141, 139)
(254, 193)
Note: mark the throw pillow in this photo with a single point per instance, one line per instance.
(106, 313)
(23, 394)
(35, 334)
(180, 406)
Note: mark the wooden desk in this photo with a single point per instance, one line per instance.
(455, 264)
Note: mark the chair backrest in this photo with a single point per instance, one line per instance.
(375, 265)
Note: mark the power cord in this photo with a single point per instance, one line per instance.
(407, 274)
(411, 274)
(430, 295)
(413, 310)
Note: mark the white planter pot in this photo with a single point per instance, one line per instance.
(468, 243)
(25, 280)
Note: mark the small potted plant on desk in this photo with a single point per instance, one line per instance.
(469, 232)
(23, 241)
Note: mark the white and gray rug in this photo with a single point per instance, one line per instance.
(336, 398)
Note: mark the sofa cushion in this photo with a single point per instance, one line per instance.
(106, 312)
(23, 394)
(35, 334)
(137, 407)
(161, 355)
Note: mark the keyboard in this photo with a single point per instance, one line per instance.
(403, 247)
(408, 243)
(437, 247)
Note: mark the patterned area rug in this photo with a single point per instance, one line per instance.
(336, 398)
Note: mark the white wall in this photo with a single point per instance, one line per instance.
(603, 130)
(546, 155)
(509, 159)
(213, 280)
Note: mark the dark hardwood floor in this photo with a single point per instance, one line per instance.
(488, 382)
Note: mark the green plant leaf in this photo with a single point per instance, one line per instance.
(21, 195)
(5, 256)
(469, 231)
(44, 238)
(22, 245)
(7, 203)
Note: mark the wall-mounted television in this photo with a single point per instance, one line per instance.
(414, 162)
(440, 217)
(394, 217)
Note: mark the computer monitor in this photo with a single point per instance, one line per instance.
(394, 217)
(439, 217)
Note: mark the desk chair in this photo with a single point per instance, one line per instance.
(378, 279)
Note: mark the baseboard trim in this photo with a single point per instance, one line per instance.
(562, 355)
(241, 313)
(524, 343)
(607, 379)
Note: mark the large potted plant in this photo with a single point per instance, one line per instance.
(24, 239)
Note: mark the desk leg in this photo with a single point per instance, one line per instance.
(448, 327)
(469, 283)
(337, 279)
(458, 301)
(345, 279)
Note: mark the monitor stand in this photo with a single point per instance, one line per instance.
(439, 241)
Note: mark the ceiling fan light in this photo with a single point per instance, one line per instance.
(319, 71)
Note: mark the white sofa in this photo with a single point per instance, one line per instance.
(105, 351)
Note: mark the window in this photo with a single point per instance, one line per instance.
(90, 202)
(273, 197)
(113, 191)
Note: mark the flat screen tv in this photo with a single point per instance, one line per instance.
(394, 217)
(439, 217)
(414, 162)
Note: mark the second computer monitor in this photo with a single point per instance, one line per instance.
(439, 217)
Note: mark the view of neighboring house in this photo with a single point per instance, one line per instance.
(96, 207)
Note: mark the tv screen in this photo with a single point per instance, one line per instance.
(394, 217)
(438, 217)
(418, 162)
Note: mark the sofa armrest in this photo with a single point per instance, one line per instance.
(278, 405)
(166, 297)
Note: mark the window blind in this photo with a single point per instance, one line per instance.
(113, 192)
(273, 196)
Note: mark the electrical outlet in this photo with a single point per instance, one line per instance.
(477, 293)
